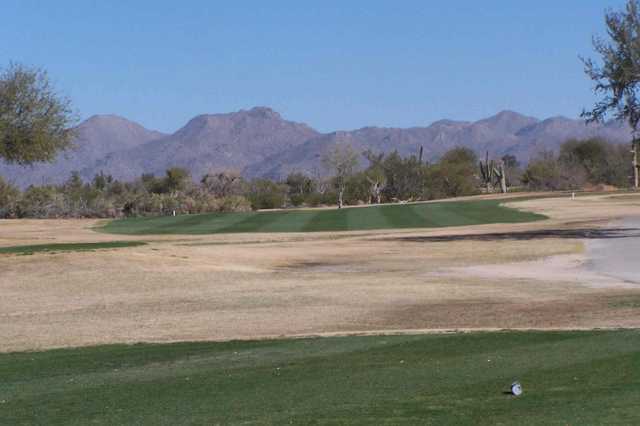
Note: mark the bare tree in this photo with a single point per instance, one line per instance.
(618, 77)
(222, 184)
(341, 161)
(375, 175)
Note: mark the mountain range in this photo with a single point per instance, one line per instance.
(260, 143)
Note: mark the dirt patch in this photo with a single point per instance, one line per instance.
(263, 285)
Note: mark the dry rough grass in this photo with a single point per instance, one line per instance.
(262, 285)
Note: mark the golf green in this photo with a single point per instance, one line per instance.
(391, 216)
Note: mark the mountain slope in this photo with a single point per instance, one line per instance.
(259, 142)
(505, 133)
(210, 142)
(96, 137)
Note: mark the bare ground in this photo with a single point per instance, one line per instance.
(245, 286)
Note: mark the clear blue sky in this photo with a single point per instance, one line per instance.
(332, 64)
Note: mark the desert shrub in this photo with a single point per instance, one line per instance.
(266, 194)
(453, 176)
(357, 189)
(598, 161)
(223, 184)
(40, 201)
(234, 203)
(325, 198)
(9, 196)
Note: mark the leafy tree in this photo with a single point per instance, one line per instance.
(40, 201)
(617, 78)
(74, 193)
(34, 119)
(589, 155)
(176, 179)
(102, 181)
(512, 170)
(357, 189)
(460, 156)
(9, 195)
(454, 176)
(266, 194)
(300, 186)
(548, 173)
(404, 177)
(599, 161)
(341, 161)
(510, 161)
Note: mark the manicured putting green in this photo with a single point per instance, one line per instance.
(572, 378)
(392, 216)
(54, 248)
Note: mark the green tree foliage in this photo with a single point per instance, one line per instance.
(617, 77)
(513, 170)
(597, 160)
(580, 162)
(544, 173)
(454, 175)
(40, 201)
(300, 187)
(266, 194)
(34, 120)
(176, 179)
(9, 196)
(403, 177)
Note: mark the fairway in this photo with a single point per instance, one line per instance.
(568, 378)
(56, 248)
(391, 216)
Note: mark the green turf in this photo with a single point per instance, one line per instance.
(576, 378)
(392, 216)
(54, 248)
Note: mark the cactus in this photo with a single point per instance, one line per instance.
(635, 147)
(492, 173)
(487, 173)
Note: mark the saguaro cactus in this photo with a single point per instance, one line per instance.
(636, 167)
(492, 173)
(486, 172)
(501, 174)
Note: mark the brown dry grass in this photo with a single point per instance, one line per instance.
(251, 286)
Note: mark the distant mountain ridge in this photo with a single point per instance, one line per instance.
(96, 137)
(260, 143)
(209, 143)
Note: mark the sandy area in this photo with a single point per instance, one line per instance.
(223, 287)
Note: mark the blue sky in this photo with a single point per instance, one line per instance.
(332, 64)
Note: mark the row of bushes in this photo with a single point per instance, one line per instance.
(578, 164)
(388, 178)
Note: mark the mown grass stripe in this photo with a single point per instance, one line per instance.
(425, 215)
(54, 248)
(328, 220)
(568, 378)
